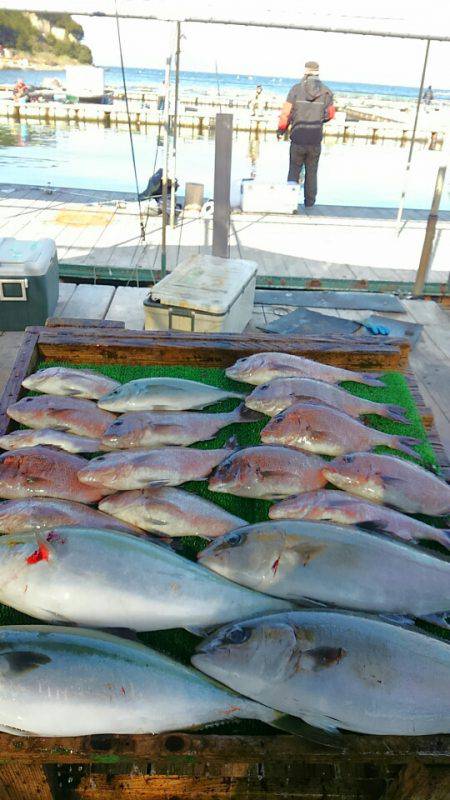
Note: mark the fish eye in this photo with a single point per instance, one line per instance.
(264, 387)
(349, 459)
(234, 539)
(238, 635)
(27, 399)
(278, 419)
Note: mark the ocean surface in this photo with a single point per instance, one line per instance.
(212, 82)
(93, 157)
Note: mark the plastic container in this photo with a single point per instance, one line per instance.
(29, 282)
(258, 197)
(203, 294)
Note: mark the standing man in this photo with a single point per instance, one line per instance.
(308, 105)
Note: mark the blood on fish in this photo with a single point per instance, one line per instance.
(41, 554)
(275, 565)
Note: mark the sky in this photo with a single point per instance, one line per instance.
(262, 51)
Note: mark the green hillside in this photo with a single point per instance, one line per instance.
(43, 35)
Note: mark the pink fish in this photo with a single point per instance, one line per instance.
(263, 367)
(81, 417)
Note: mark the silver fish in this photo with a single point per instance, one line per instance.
(334, 565)
(392, 481)
(268, 473)
(163, 394)
(327, 505)
(336, 670)
(84, 383)
(263, 367)
(64, 441)
(136, 469)
(162, 428)
(110, 579)
(321, 429)
(80, 417)
(35, 514)
(169, 511)
(272, 398)
(59, 681)
(45, 472)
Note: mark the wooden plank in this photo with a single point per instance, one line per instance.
(217, 349)
(23, 782)
(66, 291)
(89, 301)
(127, 305)
(25, 363)
(73, 322)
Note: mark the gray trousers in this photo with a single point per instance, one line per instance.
(307, 154)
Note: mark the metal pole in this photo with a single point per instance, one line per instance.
(413, 138)
(222, 181)
(175, 124)
(165, 165)
(424, 264)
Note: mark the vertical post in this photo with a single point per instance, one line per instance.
(165, 165)
(175, 124)
(413, 137)
(424, 263)
(222, 181)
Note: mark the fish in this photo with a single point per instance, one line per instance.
(80, 417)
(336, 670)
(163, 394)
(328, 505)
(323, 430)
(69, 382)
(334, 565)
(263, 367)
(169, 511)
(391, 481)
(161, 428)
(136, 469)
(45, 472)
(272, 398)
(65, 681)
(35, 514)
(268, 473)
(64, 441)
(110, 579)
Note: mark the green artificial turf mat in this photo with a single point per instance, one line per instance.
(179, 643)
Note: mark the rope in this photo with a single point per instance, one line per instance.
(130, 132)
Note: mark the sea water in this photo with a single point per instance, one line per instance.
(87, 156)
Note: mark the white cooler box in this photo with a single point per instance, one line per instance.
(204, 294)
(269, 198)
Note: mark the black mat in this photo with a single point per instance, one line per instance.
(397, 328)
(302, 321)
(372, 301)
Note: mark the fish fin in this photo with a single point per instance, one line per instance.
(373, 526)
(232, 443)
(16, 731)
(244, 414)
(153, 484)
(392, 480)
(20, 661)
(318, 729)
(398, 619)
(397, 413)
(443, 537)
(369, 379)
(319, 658)
(74, 392)
(198, 630)
(405, 444)
(441, 619)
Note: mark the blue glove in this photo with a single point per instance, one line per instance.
(377, 330)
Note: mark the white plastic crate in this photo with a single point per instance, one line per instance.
(204, 294)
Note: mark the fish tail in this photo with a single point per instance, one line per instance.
(240, 395)
(396, 413)
(297, 726)
(232, 443)
(369, 379)
(405, 444)
(244, 414)
(442, 535)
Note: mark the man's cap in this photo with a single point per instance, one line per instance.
(311, 67)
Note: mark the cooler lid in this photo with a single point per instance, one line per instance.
(25, 258)
(205, 283)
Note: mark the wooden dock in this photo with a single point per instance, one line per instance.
(430, 358)
(98, 237)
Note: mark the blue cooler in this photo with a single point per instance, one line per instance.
(29, 282)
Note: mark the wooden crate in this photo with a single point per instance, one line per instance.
(181, 765)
